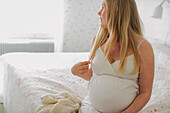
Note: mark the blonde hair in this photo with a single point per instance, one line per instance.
(121, 25)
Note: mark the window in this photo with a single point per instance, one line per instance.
(31, 19)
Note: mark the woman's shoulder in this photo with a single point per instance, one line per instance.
(143, 43)
(144, 47)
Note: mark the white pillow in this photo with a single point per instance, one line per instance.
(160, 47)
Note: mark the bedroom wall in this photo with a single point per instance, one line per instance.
(81, 23)
(155, 29)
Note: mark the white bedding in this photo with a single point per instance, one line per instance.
(27, 77)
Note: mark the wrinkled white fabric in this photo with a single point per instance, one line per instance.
(60, 103)
(30, 76)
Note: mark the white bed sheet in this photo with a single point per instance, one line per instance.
(30, 76)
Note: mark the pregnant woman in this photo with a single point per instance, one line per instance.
(121, 62)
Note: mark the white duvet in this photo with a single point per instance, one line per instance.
(28, 77)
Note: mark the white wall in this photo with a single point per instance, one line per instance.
(156, 29)
(81, 23)
(29, 16)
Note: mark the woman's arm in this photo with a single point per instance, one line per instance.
(81, 69)
(145, 78)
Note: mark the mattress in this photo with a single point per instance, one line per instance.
(29, 76)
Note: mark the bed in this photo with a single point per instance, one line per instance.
(29, 76)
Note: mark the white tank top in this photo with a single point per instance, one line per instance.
(110, 91)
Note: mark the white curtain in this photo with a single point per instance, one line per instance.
(39, 19)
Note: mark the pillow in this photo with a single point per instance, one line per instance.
(155, 29)
(160, 47)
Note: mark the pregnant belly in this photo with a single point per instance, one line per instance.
(111, 94)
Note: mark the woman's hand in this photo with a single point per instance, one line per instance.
(82, 70)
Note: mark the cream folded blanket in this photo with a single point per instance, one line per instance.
(60, 103)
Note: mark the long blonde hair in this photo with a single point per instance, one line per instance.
(121, 25)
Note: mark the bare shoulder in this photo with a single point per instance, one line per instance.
(146, 52)
(145, 47)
